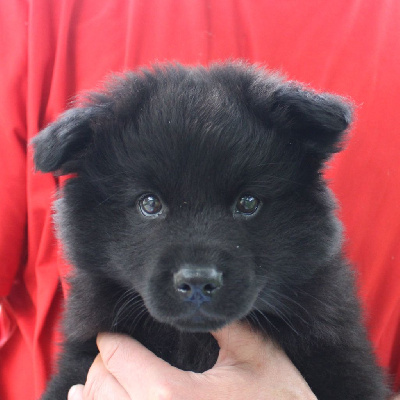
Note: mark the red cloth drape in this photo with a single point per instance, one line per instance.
(51, 50)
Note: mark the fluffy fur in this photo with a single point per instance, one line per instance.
(201, 139)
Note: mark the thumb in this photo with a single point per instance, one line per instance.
(130, 362)
(240, 343)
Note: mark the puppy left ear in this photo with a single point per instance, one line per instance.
(319, 121)
(58, 147)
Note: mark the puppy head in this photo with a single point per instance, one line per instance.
(198, 188)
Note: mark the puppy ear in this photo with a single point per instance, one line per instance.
(319, 121)
(59, 145)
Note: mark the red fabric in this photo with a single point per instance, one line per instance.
(50, 50)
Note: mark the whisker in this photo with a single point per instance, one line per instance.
(281, 314)
(309, 295)
(280, 296)
(136, 307)
(123, 296)
(127, 302)
(254, 317)
(137, 319)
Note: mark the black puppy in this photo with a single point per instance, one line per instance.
(197, 199)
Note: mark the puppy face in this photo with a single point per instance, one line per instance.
(199, 189)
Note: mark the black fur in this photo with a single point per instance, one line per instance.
(200, 138)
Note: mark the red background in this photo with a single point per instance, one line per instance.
(51, 50)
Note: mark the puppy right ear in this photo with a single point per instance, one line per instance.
(59, 146)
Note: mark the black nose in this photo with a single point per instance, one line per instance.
(197, 284)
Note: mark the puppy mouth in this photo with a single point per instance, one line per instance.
(199, 317)
(198, 320)
(202, 318)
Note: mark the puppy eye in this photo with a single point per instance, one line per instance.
(150, 205)
(247, 205)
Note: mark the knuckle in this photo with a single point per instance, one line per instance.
(96, 385)
(91, 388)
(161, 391)
(110, 353)
(95, 379)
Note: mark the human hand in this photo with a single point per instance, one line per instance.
(248, 367)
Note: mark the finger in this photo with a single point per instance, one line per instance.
(256, 362)
(139, 371)
(101, 384)
(76, 393)
(239, 342)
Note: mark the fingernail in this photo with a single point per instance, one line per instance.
(100, 338)
(75, 393)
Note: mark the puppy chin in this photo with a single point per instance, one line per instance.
(198, 323)
(197, 318)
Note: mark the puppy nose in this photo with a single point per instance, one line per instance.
(197, 285)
